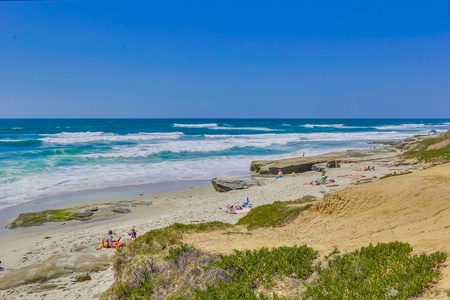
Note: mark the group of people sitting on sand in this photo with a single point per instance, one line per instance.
(110, 241)
(405, 171)
(368, 168)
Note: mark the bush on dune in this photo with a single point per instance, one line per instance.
(138, 266)
(275, 214)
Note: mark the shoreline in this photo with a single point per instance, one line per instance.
(73, 243)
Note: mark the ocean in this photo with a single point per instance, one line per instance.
(55, 159)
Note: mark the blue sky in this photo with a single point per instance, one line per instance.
(227, 59)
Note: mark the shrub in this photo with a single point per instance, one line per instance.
(384, 271)
(275, 214)
(249, 271)
(153, 248)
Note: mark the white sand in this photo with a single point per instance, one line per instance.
(67, 250)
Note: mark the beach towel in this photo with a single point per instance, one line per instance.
(117, 244)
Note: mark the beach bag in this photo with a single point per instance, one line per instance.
(230, 210)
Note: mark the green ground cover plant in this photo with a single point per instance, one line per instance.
(383, 271)
(247, 271)
(275, 214)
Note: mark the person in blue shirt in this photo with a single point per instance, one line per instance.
(132, 234)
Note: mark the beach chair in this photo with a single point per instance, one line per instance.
(323, 180)
(245, 202)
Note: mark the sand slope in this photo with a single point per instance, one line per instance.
(412, 208)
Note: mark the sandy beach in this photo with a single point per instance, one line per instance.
(60, 260)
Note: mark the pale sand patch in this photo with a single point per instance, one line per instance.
(74, 242)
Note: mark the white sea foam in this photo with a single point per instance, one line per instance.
(215, 126)
(245, 128)
(77, 178)
(220, 143)
(323, 125)
(11, 140)
(211, 143)
(339, 126)
(356, 136)
(206, 125)
(69, 138)
(401, 127)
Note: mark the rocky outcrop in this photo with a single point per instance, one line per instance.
(83, 215)
(58, 266)
(329, 160)
(229, 184)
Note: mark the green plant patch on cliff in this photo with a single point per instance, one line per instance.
(430, 155)
(275, 214)
(41, 217)
(248, 273)
(384, 271)
(440, 149)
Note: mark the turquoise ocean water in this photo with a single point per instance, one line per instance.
(54, 158)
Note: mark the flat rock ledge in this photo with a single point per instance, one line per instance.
(229, 184)
(329, 160)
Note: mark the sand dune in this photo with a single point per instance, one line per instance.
(412, 208)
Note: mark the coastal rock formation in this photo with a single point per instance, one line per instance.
(329, 160)
(229, 184)
(83, 215)
(57, 266)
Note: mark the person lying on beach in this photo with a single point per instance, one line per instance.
(353, 176)
(237, 207)
(406, 171)
(361, 169)
(314, 182)
(132, 234)
(323, 180)
(368, 168)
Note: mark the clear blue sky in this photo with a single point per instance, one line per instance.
(221, 59)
